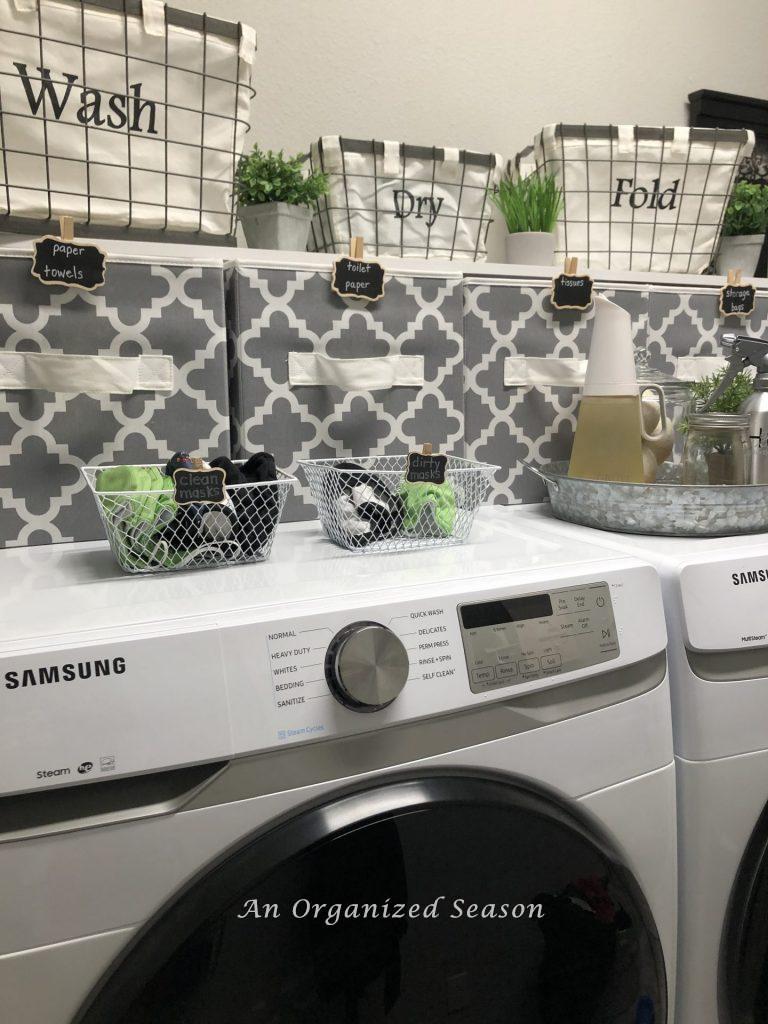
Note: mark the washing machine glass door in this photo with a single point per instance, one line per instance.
(434, 899)
(743, 983)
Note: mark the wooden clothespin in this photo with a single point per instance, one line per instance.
(356, 247)
(571, 265)
(734, 277)
(426, 449)
(197, 463)
(66, 228)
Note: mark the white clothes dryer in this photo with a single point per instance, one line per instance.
(715, 592)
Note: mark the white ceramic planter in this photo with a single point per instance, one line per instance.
(739, 252)
(276, 226)
(532, 248)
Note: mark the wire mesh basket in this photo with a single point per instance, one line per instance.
(403, 200)
(149, 532)
(639, 198)
(367, 505)
(121, 113)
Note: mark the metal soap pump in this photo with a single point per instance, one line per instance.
(745, 352)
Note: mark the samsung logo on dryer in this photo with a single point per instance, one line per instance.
(753, 576)
(66, 673)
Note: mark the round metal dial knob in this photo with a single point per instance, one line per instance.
(366, 666)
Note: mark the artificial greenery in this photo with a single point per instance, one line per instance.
(529, 204)
(738, 390)
(747, 212)
(267, 177)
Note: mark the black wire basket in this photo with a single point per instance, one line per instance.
(402, 200)
(127, 116)
(639, 198)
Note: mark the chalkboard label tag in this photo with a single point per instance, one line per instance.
(426, 469)
(68, 263)
(572, 291)
(199, 486)
(737, 299)
(358, 279)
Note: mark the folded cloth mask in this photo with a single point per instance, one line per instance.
(257, 508)
(365, 506)
(430, 509)
(139, 516)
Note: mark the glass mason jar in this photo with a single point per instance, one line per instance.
(717, 449)
(678, 400)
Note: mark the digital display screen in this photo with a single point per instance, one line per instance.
(514, 609)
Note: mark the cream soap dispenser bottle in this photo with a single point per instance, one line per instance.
(608, 444)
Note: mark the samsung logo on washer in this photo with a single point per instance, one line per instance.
(64, 673)
(752, 576)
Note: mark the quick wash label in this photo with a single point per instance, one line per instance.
(72, 715)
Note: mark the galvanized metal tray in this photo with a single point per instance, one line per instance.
(666, 508)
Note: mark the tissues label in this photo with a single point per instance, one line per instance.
(572, 291)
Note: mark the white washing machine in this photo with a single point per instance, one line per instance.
(343, 788)
(715, 593)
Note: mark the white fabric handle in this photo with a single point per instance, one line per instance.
(153, 16)
(247, 50)
(626, 140)
(331, 149)
(534, 371)
(390, 166)
(95, 375)
(371, 374)
(526, 371)
(696, 367)
(451, 155)
(680, 140)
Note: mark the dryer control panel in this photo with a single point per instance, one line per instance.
(520, 639)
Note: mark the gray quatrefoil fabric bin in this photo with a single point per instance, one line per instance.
(524, 359)
(511, 416)
(128, 373)
(316, 376)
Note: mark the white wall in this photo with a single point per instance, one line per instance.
(487, 74)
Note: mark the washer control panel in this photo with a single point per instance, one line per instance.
(515, 640)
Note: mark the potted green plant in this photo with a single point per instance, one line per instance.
(530, 208)
(275, 199)
(744, 227)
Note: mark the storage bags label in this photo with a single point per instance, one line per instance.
(403, 200)
(639, 198)
(317, 376)
(121, 119)
(127, 374)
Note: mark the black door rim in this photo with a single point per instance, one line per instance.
(301, 827)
